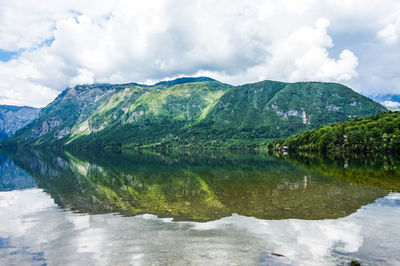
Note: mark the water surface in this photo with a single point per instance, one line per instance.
(192, 207)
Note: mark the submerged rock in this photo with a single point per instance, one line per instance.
(272, 258)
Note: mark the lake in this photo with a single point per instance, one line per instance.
(187, 207)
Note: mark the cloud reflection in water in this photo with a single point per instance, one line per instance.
(33, 230)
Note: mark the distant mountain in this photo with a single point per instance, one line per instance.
(13, 118)
(190, 111)
(390, 101)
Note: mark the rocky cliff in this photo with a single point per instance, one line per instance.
(13, 118)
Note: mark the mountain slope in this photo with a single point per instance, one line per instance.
(13, 118)
(274, 109)
(190, 111)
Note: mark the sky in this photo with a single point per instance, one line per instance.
(49, 45)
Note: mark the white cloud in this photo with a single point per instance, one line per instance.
(391, 33)
(300, 56)
(234, 41)
(114, 239)
(304, 56)
(19, 86)
(391, 104)
(25, 24)
(84, 77)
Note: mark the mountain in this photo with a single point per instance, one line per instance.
(190, 111)
(377, 133)
(13, 118)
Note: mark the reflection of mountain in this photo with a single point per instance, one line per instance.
(198, 187)
(12, 177)
(370, 169)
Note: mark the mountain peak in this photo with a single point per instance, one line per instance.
(191, 110)
(182, 80)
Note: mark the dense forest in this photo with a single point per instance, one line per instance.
(377, 133)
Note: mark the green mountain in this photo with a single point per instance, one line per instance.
(190, 111)
(377, 133)
(13, 118)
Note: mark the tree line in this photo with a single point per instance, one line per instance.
(376, 133)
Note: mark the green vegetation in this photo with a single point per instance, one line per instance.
(377, 133)
(210, 184)
(189, 112)
(379, 170)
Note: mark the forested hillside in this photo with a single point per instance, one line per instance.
(377, 133)
(190, 112)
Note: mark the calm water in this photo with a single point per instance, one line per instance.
(198, 208)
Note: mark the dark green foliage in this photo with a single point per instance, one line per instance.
(372, 169)
(182, 81)
(377, 133)
(203, 185)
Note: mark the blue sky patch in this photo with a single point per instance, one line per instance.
(7, 55)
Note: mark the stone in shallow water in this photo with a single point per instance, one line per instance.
(354, 263)
(267, 258)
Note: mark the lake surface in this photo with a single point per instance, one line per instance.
(198, 208)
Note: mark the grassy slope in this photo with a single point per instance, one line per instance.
(155, 116)
(191, 111)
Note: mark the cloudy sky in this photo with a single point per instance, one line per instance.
(48, 45)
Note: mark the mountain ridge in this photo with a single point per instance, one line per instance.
(12, 118)
(186, 111)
